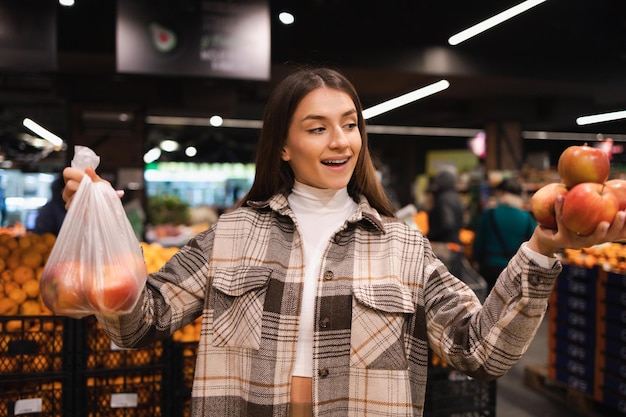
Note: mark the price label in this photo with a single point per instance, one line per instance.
(30, 405)
(124, 400)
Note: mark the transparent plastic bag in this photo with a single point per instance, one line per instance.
(96, 265)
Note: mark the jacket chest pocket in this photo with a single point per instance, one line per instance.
(378, 318)
(236, 299)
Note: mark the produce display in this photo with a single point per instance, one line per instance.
(21, 264)
(588, 196)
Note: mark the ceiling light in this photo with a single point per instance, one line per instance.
(603, 117)
(152, 155)
(216, 121)
(286, 18)
(42, 132)
(191, 151)
(169, 145)
(405, 99)
(492, 21)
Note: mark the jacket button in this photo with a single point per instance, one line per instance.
(323, 373)
(328, 275)
(533, 280)
(324, 322)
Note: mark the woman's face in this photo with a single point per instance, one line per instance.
(323, 141)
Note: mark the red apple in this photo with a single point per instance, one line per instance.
(117, 288)
(62, 289)
(582, 163)
(618, 186)
(586, 205)
(542, 203)
(115, 294)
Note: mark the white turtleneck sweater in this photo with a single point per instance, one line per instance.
(319, 213)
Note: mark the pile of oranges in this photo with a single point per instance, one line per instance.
(21, 263)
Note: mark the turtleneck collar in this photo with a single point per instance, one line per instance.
(318, 198)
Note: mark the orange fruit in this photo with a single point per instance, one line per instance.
(3, 264)
(32, 258)
(8, 307)
(42, 247)
(6, 275)
(11, 243)
(31, 287)
(48, 238)
(23, 273)
(4, 251)
(18, 295)
(30, 308)
(24, 242)
(10, 286)
(14, 261)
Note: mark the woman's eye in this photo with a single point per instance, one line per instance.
(316, 130)
(351, 126)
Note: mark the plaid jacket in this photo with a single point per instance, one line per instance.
(383, 299)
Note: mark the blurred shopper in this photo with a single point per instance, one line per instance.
(501, 230)
(51, 215)
(445, 220)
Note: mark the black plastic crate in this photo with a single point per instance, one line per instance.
(183, 368)
(450, 393)
(136, 393)
(35, 345)
(96, 351)
(42, 397)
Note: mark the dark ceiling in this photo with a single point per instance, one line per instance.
(543, 68)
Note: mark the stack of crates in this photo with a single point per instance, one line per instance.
(587, 322)
(611, 380)
(183, 364)
(572, 328)
(115, 382)
(36, 362)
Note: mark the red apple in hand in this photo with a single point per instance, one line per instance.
(542, 203)
(578, 164)
(618, 186)
(586, 205)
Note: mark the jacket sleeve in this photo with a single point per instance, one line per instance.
(485, 341)
(173, 297)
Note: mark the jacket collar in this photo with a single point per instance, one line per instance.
(364, 212)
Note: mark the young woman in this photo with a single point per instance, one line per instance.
(314, 299)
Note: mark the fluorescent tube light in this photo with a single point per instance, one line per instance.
(42, 132)
(603, 117)
(492, 21)
(405, 99)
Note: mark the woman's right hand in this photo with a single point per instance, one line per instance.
(73, 177)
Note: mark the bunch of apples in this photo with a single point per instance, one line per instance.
(589, 197)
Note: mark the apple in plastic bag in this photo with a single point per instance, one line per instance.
(117, 289)
(62, 291)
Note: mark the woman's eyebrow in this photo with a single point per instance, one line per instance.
(320, 117)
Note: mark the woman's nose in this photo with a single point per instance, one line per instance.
(339, 139)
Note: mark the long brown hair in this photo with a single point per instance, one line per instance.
(273, 175)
